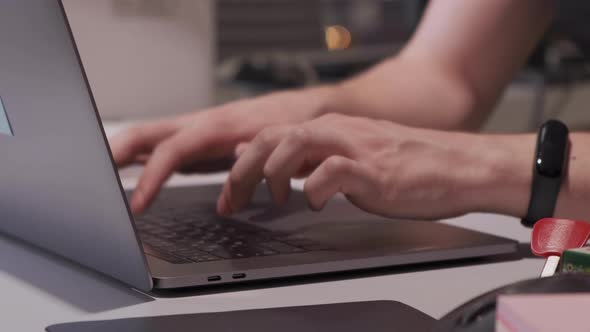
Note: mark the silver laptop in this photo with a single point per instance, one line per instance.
(60, 191)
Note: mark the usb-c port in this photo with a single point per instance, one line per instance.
(214, 278)
(239, 276)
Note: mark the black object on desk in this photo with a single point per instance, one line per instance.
(479, 314)
(375, 316)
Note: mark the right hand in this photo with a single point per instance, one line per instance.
(193, 141)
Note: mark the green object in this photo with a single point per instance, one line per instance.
(576, 260)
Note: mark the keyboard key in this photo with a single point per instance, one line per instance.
(281, 247)
(199, 258)
(166, 256)
(221, 253)
(188, 236)
(266, 252)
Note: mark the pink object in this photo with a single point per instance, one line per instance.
(543, 313)
(553, 236)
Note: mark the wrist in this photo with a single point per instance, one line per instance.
(504, 184)
(574, 195)
(321, 100)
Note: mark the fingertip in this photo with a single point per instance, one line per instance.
(121, 150)
(315, 207)
(118, 159)
(314, 202)
(223, 208)
(137, 203)
(220, 206)
(236, 195)
(280, 196)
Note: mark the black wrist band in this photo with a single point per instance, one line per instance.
(548, 171)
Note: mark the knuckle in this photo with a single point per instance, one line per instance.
(269, 171)
(135, 134)
(168, 151)
(265, 138)
(337, 165)
(300, 136)
(164, 149)
(330, 117)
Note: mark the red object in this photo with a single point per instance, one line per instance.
(553, 236)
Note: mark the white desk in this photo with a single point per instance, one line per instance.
(40, 290)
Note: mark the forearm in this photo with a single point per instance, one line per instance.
(455, 67)
(505, 184)
(411, 92)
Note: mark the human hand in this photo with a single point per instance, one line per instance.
(200, 140)
(384, 168)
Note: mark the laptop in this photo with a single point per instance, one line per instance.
(60, 191)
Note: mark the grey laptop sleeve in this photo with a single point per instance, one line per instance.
(378, 316)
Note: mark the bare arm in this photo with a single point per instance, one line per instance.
(448, 77)
(507, 189)
(575, 191)
(454, 68)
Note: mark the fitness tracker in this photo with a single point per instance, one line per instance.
(548, 171)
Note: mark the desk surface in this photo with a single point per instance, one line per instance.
(40, 289)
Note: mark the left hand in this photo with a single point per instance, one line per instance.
(381, 167)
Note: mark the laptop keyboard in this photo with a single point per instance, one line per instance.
(188, 239)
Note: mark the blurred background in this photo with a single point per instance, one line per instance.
(151, 58)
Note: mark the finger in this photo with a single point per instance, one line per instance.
(299, 154)
(284, 162)
(223, 206)
(208, 137)
(240, 149)
(127, 145)
(142, 158)
(169, 156)
(162, 163)
(247, 172)
(307, 168)
(338, 175)
(302, 148)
